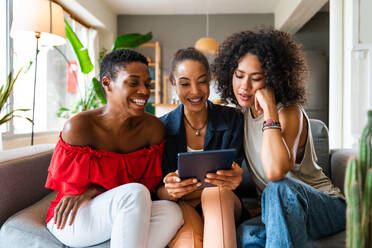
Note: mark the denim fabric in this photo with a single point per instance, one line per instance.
(292, 213)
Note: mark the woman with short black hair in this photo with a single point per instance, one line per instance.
(106, 163)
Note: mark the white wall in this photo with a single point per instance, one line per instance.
(108, 29)
(97, 14)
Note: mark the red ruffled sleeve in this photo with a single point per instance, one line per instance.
(68, 171)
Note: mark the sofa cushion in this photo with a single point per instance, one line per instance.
(334, 241)
(319, 133)
(339, 161)
(27, 228)
(23, 173)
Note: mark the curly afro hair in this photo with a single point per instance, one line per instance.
(280, 57)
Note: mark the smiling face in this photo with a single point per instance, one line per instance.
(130, 90)
(248, 77)
(191, 82)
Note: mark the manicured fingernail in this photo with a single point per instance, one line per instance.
(218, 173)
(198, 184)
(178, 180)
(194, 180)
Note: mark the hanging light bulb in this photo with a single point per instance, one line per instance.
(207, 45)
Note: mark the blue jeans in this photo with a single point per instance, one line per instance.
(292, 213)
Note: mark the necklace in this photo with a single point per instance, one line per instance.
(197, 130)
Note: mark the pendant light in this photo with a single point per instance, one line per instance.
(207, 45)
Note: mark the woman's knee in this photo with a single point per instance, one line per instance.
(170, 212)
(216, 192)
(133, 193)
(288, 194)
(281, 187)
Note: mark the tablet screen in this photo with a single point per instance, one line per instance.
(198, 164)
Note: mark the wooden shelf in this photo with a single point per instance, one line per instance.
(165, 105)
(156, 65)
(148, 45)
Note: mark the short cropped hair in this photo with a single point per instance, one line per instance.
(115, 60)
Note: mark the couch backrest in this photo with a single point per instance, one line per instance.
(321, 144)
(23, 174)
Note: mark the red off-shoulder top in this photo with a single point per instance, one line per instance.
(73, 169)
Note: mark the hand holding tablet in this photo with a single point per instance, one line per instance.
(200, 164)
(177, 188)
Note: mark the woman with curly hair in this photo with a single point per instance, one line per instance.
(262, 72)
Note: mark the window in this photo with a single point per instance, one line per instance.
(55, 84)
(4, 38)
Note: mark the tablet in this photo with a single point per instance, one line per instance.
(198, 164)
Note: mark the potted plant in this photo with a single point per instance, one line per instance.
(5, 92)
(358, 193)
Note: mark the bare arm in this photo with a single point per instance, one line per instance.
(279, 147)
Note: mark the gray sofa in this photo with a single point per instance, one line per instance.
(24, 200)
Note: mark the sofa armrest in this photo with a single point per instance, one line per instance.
(23, 173)
(339, 160)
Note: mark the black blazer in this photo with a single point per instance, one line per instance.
(224, 130)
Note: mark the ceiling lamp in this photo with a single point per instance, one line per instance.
(207, 45)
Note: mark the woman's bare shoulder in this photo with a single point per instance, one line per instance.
(79, 129)
(291, 112)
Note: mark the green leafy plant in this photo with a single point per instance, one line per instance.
(93, 96)
(131, 40)
(358, 192)
(5, 91)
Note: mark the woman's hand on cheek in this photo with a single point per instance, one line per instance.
(228, 179)
(177, 188)
(264, 98)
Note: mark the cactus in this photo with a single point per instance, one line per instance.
(358, 193)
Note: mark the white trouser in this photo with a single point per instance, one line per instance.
(125, 214)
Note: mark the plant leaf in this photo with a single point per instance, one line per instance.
(132, 40)
(21, 110)
(6, 91)
(81, 53)
(63, 109)
(7, 117)
(99, 91)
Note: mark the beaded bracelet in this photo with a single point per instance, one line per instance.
(271, 124)
(271, 127)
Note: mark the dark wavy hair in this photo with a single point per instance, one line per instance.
(189, 53)
(281, 59)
